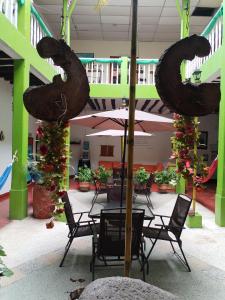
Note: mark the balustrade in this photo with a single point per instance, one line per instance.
(10, 9)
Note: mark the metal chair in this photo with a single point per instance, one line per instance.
(99, 190)
(109, 246)
(146, 190)
(77, 227)
(172, 231)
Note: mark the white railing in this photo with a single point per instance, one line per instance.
(213, 32)
(145, 71)
(102, 70)
(10, 9)
(36, 32)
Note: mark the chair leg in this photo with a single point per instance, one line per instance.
(149, 200)
(172, 247)
(66, 250)
(184, 260)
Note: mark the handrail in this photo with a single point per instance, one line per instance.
(87, 60)
(212, 23)
(141, 61)
(40, 21)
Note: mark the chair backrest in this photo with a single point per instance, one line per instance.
(114, 193)
(112, 232)
(68, 212)
(179, 214)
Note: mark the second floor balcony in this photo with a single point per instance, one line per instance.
(114, 72)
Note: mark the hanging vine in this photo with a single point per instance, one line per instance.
(186, 136)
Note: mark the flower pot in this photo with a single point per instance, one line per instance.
(163, 187)
(43, 206)
(84, 186)
(139, 187)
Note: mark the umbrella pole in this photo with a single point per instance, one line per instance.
(123, 163)
(128, 226)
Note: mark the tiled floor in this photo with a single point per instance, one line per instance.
(34, 254)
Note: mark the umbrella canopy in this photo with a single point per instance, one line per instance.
(115, 132)
(116, 119)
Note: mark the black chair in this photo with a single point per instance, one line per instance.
(146, 190)
(99, 190)
(77, 227)
(171, 232)
(109, 246)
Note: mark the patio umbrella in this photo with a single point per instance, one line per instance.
(118, 119)
(117, 132)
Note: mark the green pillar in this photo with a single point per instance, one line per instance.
(220, 191)
(18, 192)
(185, 17)
(66, 35)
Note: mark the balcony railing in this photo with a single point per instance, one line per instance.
(103, 70)
(10, 9)
(145, 71)
(213, 32)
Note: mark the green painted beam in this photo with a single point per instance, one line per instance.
(212, 65)
(16, 41)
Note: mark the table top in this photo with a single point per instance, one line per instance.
(96, 208)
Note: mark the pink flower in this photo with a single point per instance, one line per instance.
(43, 149)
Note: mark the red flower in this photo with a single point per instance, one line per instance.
(60, 210)
(179, 134)
(61, 193)
(39, 132)
(52, 187)
(43, 149)
(50, 224)
(48, 168)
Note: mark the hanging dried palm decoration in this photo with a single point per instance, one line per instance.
(100, 4)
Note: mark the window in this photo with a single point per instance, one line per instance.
(106, 150)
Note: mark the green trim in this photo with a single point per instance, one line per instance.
(212, 23)
(40, 21)
(179, 8)
(147, 61)
(86, 60)
(21, 2)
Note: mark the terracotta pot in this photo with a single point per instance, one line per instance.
(84, 186)
(42, 203)
(163, 187)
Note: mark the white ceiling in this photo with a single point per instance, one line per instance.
(158, 20)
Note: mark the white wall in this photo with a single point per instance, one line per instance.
(119, 48)
(210, 124)
(6, 127)
(149, 150)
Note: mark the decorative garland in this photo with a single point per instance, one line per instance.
(186, 136)
(52, 161)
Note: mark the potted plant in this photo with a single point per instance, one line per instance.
(141, 178)
(4, 271)
(84, 176)
(166, 179)
(43, 206)
(102, 175)
(48, 173)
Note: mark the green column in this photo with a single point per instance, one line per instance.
(220, 191)
(18, 192)
(185, 16)
(66, 34)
